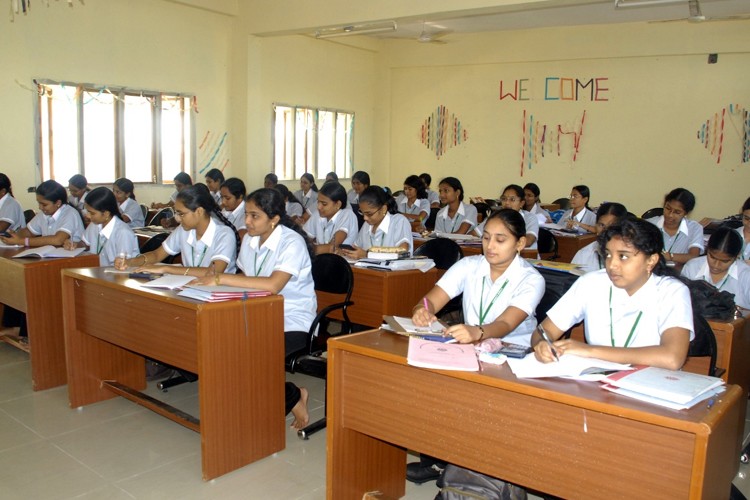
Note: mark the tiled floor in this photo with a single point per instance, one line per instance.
(118, 450)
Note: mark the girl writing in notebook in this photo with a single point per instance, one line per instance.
(107, 234)
(276, 256)
(413, 204)
(11, 213)
(56, 221)
(579, 216)
(633, 312)
(130, 210)
(683, 238)
(233, 203)
(589, 257)
(332, 224)
(455, 216)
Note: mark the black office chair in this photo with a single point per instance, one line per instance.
(444, 252)
(556, 283)
(652, 212)
(164, 213)
(430, 222)
(564, 203)
(360, 217)
(155, 242)
(144, 211)
(483, 210)
(28, 215)
(704, 343)
(331, 274)
(547, 244)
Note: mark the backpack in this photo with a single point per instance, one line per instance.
(708, 301)
(464, 484)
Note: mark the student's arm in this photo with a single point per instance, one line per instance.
(464, 228)
(530, 239)
(338, 239)
(502, 326)
(436, 300)
(126, 218)
(274, 283)
(17, 237)
(681, 258)
(143, 260)
(20, 237)
(69, 245)
(4, 225)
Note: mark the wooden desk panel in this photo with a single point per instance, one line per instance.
(491, 422)
(568, 246)
(732, 349)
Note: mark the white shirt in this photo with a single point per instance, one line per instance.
(541, 214)
(433, 197)
(309, 201)
(11, 212)
(745, 245)
(664, 302)
(392, 231)
(322, 230)
(115, 238)
(419, 206)
(236, 217)
(294, 209)
(524, 290)
(736, 281)
(218, 243)
(588, 258)
(173, 196)
(465, 213)
(133, 210)
(217, 197)
(585, 216)
(65, 219)
(352, 197)
(532, 227)
(284, 250)
(689, 235)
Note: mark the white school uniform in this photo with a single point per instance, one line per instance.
(352, 197)
(585, 216)
(11, 212)
(322, 230)
(294, 209)
(524, 290)
(309, 201)
(217, 243)
(284, 250)
(392, 231)
(173, 196)
(433, 197)
(736, 281)
(217, 197)
(465, 213)
(532, 227)
(79, 203)
(132, 209)
(542, 215)
(689, 235)
(588, 258)
(663, 301)
(419, 206)
(115, 238)
(236, 217)
(745, 246)
(65, 219)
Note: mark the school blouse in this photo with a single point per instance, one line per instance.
(284, 250)
(352, 197)
(217, 197)
(218, 243)
(109, 241)
(393, 230)
(519, 286)
(465, 213)
(11, 212)
(736, 281)
(309, 201)
(132, 209)
(585, 216)
(661, 303)
(689, 235)
(236, 217)
(532, 227)
(65, 219)
(433, 197)
(541, 214)
(294, 209)
(173, 196)
(745, 245)
(588, 258)
(322, 230)
(419, 206)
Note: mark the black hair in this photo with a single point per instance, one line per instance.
(514, 187)
(272, 177)
(215, 175)
(79, 181)
(311, 180)
(417, 183)
(455, 184)
(726, 240)
(426, 178)
(584, 192)
(183, 178)
(125, 185)
(533, 188)
(286, 194)
(52, 191)
(746, 205)
(235, 187)
(361, 176)
(512, 219)
(616, 209)
(377, 197)
(643, 235)
(271, 202)
(5, 183)
(332, 176)
(198, 195)
(103, 200)
(683, 196)
(335, 192)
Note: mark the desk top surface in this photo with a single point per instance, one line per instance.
(7, 254)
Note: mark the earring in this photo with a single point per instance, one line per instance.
(273, 226)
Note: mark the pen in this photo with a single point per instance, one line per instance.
(710, 403)
(424, 302)
(541, 331)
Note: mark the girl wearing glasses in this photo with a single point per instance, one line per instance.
(513, 199)
(456, 216)
(744, 230)
(589, 257)
(683, 238)
(579, 216)
(333, 224)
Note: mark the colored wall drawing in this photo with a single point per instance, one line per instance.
(541, 139)
(212, 152)
(711, 132)
(441, 131)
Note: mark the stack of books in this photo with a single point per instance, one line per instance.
(387, 253)
(220, 293)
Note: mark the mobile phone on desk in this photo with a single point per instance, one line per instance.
(5, 234)
(514, 350)
(344, 246)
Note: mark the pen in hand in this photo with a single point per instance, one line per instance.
(546, 338)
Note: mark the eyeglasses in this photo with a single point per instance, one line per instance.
(746, 217)
(368, 214)
(180, 215)
(574, 196)
(511, 199)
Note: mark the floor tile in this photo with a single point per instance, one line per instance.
(13, 433)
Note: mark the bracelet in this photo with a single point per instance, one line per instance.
(481, 330)
(217, 277)
(187, 270)
(26, 242)
(145, 259)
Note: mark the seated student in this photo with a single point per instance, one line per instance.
(432, 196)
(206, 247)
(332, 224)
(744, 230)
(233, 203)
(579, 216)
(276, 256)
(383, 227)
(532, 203)
(500, 294)
(632, 310)
(332, 176)
(360, 182)
(11, 213)
(130, 210)
(307, 195)
(720, 266)
(56, 221)
(512, 198)
(294, 208)
(456, 216)
(589, 257)
(78, 187)
(181, 181)
(107, 235)
(214, 180)
(413, 203)
(683, 238)
(270, 181)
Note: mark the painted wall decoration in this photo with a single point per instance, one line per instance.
(711, 132)
(441, 131)
(540, 139)
(212, 152)
(556, 88)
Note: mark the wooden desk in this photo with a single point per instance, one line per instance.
(111, 323)
(567, 246)
(732, 349)
(32, 286)
(550, 207)
(377, 293)
(592, 444)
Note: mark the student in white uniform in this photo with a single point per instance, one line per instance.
(720, 266)
(744, 230)
(432, 196)
(206, 248)
(214, 180)
(456, 216)
(513, 199)
(130, 210)
(307, 195)
(270, 181)
(360, 182)
(589, 257)
(579, 216)
(532, 202)
(276, 256)
(181, 181)
(233, 203)
(633, 312)
(332, 224)
(107, 234)
(383, 227)
(78, 187)
(413, 204)
(294, 208)
(683, 238)
(56, 221)
(11, 213)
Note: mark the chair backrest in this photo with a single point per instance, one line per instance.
(430, 222)
(704, 343)
(333, 274)
(483, 210)
(443, 251)
(547, 244)
(28, 215)
(360, 217)
(556, 283)
(155, 242)
(564, 203)
(144, 210)
(652, 212)
(164, 213)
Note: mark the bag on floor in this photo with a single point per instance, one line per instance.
(464, 484)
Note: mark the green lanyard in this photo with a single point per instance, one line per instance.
(262, 263)
(632, 330)
(99, 244)
(482, 311)
(192, 255)
(453, 229)
(723, 282)
(677, 236)
(382, 237)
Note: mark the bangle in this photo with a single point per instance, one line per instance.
(26, 242)
(671, 257)
(481, 331)
(145, 259)
(217, 277)
(187, 270)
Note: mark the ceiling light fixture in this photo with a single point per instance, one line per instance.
(356, 29)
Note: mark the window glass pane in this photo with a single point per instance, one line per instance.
(344, 140)
(172, 132)
(283, 142)
(138, 140)
(61, 161)
(98, 136)
(304, 142)
(326, 142)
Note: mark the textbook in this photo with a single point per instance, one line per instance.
(570, 366)
(405, 326)
(455, 236)
(48, 251)
(169, 281)
(428, 354)
(220, 293)
(387, 253)
(563, 267)
(677, 387)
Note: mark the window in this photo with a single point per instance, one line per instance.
(107, 133)
(312, 140)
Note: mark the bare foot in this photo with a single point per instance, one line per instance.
(301, 417)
